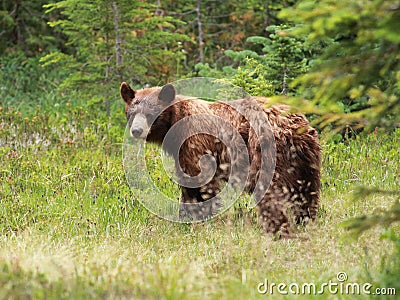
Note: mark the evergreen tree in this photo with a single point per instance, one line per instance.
(115, 41)
(282, 56)
(23, 27)
(362, 64)
(216, 26)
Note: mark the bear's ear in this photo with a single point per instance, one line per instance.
(167, 94)
(127, 93)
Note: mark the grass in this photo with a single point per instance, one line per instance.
(71, 227)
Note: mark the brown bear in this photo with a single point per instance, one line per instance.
(290, 194)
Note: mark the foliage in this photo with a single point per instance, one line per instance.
(346, 163)
(384, 218)
(215, 28)
(362, 62)
(251, 76)
(268, 65)
(283, 56)
(24, 84)
(24, 28)
(114, 42)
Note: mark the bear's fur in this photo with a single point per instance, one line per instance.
(293, 194)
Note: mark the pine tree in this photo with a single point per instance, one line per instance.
(115, 41)
(362, 63)
(216, 26)
(23, 28)
(282, 56)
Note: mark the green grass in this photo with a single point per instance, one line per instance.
(71, 227)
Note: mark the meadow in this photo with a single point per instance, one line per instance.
(70, 227)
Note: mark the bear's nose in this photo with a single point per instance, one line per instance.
(136, 132)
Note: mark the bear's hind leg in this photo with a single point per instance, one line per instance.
(273, 216)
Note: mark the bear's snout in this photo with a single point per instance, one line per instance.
(136, 132)
(139, 127)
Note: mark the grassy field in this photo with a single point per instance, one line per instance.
(71, 227)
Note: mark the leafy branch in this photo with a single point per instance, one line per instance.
(381, 217)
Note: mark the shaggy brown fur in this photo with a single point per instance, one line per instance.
(294, 191)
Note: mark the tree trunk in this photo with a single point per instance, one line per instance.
(285, 76)
(118, 52)
(284, 82)
(200, 31)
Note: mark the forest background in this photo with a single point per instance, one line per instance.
(61, 64)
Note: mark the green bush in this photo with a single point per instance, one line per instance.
(24, 84)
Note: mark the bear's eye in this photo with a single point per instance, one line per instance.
(130, 113)
(132, 109)
(130, 116)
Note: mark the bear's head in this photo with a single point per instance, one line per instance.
(146, 110)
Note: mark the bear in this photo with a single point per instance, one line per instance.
(290, 194)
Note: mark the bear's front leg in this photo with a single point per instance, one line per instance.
(199, 204)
